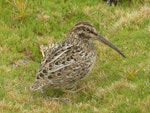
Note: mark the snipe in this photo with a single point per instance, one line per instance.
(64, 64)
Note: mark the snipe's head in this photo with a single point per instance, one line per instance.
(84, 30)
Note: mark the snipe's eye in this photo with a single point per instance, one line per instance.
(87, 30)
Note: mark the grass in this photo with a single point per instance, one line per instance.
(114, 85)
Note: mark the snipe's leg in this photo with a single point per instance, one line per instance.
(73, 90)
(53, 98)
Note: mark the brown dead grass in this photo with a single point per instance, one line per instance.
(133, 17)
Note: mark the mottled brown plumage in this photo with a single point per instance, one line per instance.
(64, 64)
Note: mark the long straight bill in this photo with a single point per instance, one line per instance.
(110, 45)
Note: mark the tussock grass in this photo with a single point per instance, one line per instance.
(115, 84)
(20, 8)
